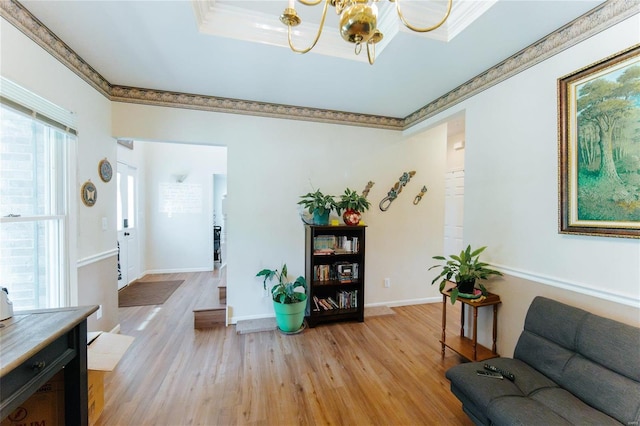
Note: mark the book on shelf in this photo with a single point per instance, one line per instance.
(330, 244)
(346, 245)
(324, 251)
(343, 300)
(344, 272)
(324, 244)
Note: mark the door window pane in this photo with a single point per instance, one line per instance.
(130, 201)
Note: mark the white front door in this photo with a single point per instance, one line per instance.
(126, 178)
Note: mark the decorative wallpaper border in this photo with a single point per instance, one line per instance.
(607, 14)
(580, 29)
(23, 20)
(238, 106)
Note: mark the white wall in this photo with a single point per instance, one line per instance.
(180, 241)
(511, 196)
(28, 65)
(272, 162)
(510, 203)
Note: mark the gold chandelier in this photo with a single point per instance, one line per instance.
(358, 23)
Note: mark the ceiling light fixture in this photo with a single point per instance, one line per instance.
(358, 22)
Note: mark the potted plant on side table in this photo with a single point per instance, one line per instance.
(353, 205)
(320, 205)
(289, 304)
(464, 269)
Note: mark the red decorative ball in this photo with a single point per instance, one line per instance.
(351, 217)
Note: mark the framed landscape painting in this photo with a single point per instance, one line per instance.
(599, 148)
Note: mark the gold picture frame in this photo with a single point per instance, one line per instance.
(599, 148)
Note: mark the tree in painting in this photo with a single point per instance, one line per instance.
(609, 147)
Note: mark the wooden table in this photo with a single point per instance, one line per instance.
(462, 345)
(35, 346)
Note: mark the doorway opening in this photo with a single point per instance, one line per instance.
(127, 223)
(454, 186)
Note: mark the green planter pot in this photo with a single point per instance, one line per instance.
(290, 316)
(321, 219)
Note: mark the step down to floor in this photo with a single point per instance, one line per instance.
(210, 317)
(222, 292)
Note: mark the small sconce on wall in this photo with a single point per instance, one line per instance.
(458, 145)
(180, 178)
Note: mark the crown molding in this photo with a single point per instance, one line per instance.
(16, 14)
(596, 20)
(238, 106)
(607, 14)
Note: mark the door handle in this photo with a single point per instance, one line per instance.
(126, 234)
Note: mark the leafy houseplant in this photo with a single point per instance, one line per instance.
(465, 269)
(353, 205)
(318, 204)
(288, 303)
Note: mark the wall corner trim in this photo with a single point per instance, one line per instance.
(623, 299)
(96, 258)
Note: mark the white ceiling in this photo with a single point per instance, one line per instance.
(157, 45)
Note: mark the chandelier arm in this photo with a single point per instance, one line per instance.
(324, 15)
(422, 30)
(371, 46)
(310, 3)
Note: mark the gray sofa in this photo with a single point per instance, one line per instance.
(571, 368)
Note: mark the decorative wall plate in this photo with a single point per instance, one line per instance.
(89, 193)
(105, 170)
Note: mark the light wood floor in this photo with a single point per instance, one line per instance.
(385, 371)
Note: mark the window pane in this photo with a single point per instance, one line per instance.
(17, 177)
(118, 202)
(33, 190)
(29, 267)
(130, 201)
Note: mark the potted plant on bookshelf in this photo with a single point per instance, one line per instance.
(318, 204)
(464, 269)
(353, 205)
(289, 303)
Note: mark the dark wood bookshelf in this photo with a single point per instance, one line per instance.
(347, 293)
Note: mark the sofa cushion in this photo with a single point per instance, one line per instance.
(549, 406)
(547, 357)
(477, 392)
(603, 389)
(612, 344)
(554, 321)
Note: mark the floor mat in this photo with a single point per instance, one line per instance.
(141, 293)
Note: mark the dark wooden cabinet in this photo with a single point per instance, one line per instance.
(335, 273)
(38, 344)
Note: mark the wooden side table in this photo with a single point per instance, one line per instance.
(462, 345)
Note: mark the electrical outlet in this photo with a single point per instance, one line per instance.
(99, 312)
(387, 282)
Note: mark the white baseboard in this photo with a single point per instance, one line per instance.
(406, 302)
(176, 271)
(390, 304)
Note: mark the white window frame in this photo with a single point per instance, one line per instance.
(63, 122)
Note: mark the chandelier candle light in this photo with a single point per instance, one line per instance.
(358, 22)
